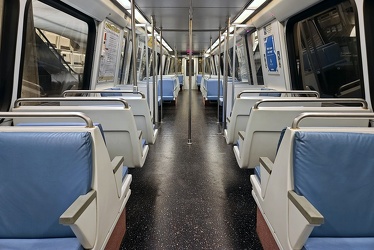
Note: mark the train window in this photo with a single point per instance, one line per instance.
(326, 50)
(9, 15)
(143, 54)
(55, 51)
(121, 74)
(128, 60)
(255, 59)
(242, 62)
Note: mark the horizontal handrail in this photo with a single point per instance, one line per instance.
(297, 120)
(18, 102)
(87, 119)
(323, 100)
(66, 92)
(301, 92)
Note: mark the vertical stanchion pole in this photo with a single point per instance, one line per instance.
(176, 62)
(233, 70)
(219, 69)
(203, 66)
(226, 74)
(161, 72)
(147, 63)
(155, 98)
(134, 47)
(190, 78)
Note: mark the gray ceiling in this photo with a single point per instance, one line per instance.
(208, 16)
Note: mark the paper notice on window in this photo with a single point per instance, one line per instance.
(109, 53)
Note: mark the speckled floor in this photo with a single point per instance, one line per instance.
(190, 196)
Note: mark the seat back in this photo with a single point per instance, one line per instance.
(168, 88)
(266, 123)
(118, 123)
(335, 172)
(41, 175)
(198, 79)
(111, 94)
(211, 86)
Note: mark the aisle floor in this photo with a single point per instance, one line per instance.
(190, 196)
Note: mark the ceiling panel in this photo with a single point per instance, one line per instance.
(207, 15)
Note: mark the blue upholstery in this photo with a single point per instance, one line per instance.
(335, 172)
(269, 94)
(125, 171)
(63, 124)
(41, 175)
(339, 243)
(280, 139)
(257, 172)
(144, 142)
(41, 244)
(211, 86)
(168, 86)
(198, 79)
(180, 79)
(111, 94)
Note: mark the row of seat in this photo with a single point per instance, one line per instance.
(59, 187)
(209, 88)
(123, 129)
(264, 121)
(318, 191)
(311, 173)
(171, 86)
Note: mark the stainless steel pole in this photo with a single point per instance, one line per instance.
(226, 74)
(155, 98)
(233, 70)
(190, 79)
(161, 72)
(147, 63)
(219, 70)
(134, 47)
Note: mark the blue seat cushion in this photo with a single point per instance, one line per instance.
(62, 124)
(168, 86)
(41, 175)
(334, 171)
(339, 243)
(125, 171)
(144, 142)
(257, 172)
(41, 244)
(269, 94)
(281, 138)
(111, 94)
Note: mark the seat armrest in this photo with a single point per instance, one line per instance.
(241, 134)
(140, 134)
(266, 167)
(311, 214)
(76, 209)
(81, 216)
(117, 165)
(302, 218)
(267, 164)
(117, 162)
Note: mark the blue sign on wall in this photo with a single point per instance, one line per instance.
(271, 57)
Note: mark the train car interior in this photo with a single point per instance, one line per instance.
(216, 124)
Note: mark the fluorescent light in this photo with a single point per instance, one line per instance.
(255, 4)
(245, 14)
(249, 10)
(125, 3)
(141, 19)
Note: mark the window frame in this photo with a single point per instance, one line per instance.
(296, 82)
(10, 18)
(91, 37)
